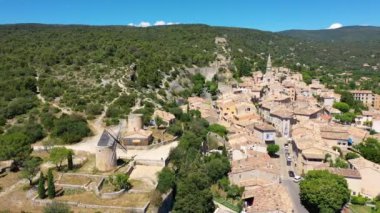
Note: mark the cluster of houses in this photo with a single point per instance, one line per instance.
(278, 103)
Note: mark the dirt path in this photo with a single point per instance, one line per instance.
(43, 100)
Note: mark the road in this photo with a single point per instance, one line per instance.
(292, 187)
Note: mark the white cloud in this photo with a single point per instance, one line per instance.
(144, 24)
(159, 23)
(335, 26)
(148, 24)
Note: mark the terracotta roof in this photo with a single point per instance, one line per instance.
(264, 127)
(140, 133)
(282, 113)
(258, 161)
(348, 173)
(362, 163)
(271, 198)
(166, 116)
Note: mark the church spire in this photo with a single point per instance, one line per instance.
(269, 64)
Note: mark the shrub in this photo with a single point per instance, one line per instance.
(51, 187)
(358, 200)
(272, 149)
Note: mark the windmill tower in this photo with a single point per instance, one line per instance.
(106, 159)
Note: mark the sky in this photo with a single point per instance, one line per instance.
(270, 15)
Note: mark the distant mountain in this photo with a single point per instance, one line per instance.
(345, 34)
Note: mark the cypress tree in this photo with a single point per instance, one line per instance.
(41, 187)
(51, 187)
(70, 160)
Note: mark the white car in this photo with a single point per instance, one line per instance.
(297, 179)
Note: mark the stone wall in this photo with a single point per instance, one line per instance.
(44, 202)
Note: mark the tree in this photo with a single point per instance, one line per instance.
(70, 165)
(120, 181)
(370, 149)
(58, 155)
(51, 187)
(30, 168)
(316, 193)
(41, 187)
(56, 207)
(343, 107)
(166, 180)
(218, 129)
(272, 149)
(70, 128)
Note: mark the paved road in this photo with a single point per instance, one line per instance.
(293, 188)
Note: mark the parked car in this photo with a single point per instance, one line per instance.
(286, 146)
(291, 173)
(297, 179)
(288, 158)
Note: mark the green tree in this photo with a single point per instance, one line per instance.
(51, 186)
(218, 129)
(58, 155)
(70, 165)
(343, 107)
(316, 193)
(70, 128)
(30, 168)
(41, 187)
(166, 180)
(56, 207)
(370, 149)
(272, 149)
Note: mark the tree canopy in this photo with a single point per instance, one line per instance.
(321, 191)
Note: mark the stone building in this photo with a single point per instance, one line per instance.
(135, 135)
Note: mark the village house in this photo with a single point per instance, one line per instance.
(365, 96)
(167, 117)
(336, 136)
(376, 123)
(135, 135)
(365, 119)
(257, 165)
(369, 184)
(265, 132)
(376, 103)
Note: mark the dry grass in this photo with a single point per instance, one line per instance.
(140, 185)
(76, 179)
(159, 134)
(126, 200)
(9, 179)
(16, 201)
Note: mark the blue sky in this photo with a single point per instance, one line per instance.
(272, 15)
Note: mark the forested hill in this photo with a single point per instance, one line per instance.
(94, 70)
(344, 34)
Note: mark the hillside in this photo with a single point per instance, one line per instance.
(113, 70)
(344, 34)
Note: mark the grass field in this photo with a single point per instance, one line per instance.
(126, 200)
(360, 209)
